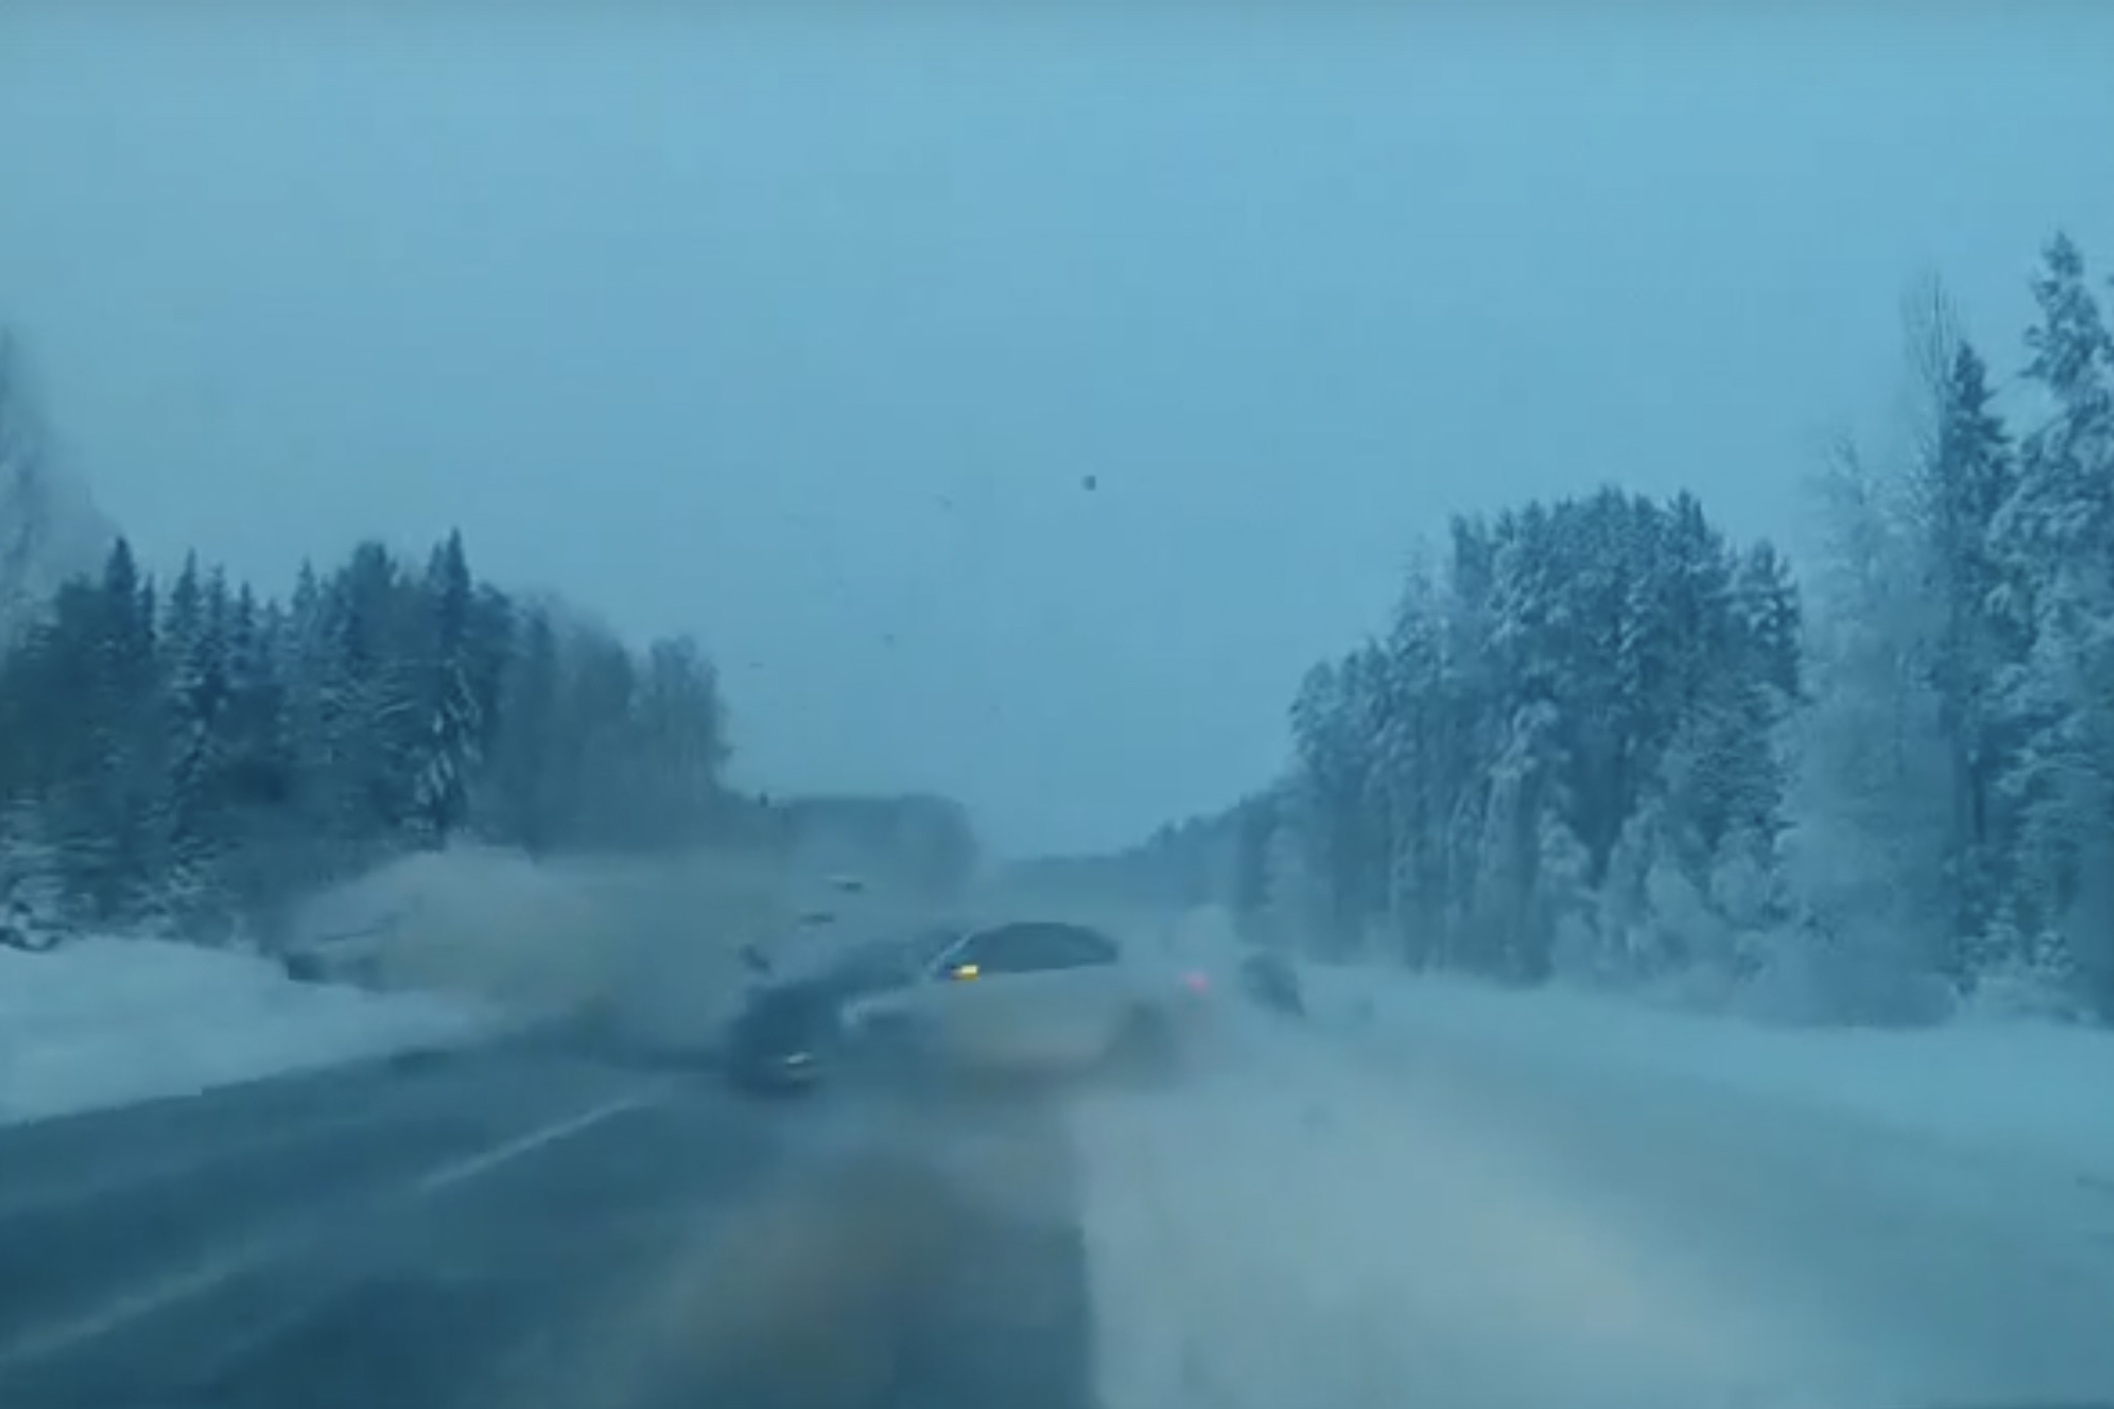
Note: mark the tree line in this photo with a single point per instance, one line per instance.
(1599, 738)
(193, 756)
(191, 753)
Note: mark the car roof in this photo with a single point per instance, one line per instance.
(971, 934)
(1038, 922)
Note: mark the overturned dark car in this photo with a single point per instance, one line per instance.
(785, 1034)
(792, 1030)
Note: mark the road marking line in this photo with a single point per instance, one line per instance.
(47, 1341)
(482, 1163)
(41, 1343)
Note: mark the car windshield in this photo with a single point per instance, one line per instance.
(1056, 706)
(894, 961)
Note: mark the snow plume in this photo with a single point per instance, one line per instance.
(649, 944)
(50, 529)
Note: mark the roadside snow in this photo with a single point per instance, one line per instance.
(2018, 1087)
(1296, 1229)
(1491, 1201)
(105, 1022)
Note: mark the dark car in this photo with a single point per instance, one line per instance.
(791, 1030)
(784, 1036)
(1269, 978)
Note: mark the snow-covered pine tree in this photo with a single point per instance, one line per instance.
(369, 707)
(1249, 897)
(1967, 474)
(101, 700)
(195, 691)
(679, 734)
(1415, 775)
(2056, 550)
(597, 760)
(1866, 852)
(516, 800)
(255, 792)
(1335, 719)
(444, 745)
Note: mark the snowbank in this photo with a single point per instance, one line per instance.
(2022, 1087)
(1440, 1192)
(105, 1022)
(1298, 1227)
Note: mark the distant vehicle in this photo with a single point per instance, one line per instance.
(1029, 997)
(1269, 978)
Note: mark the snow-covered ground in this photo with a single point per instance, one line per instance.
(2026, 1088)
(1443, 1195)
(106, 1021)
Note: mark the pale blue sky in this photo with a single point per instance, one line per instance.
(802, 338)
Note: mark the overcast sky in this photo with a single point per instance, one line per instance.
(804, 339)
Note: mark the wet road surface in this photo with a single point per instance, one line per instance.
(541, 1232)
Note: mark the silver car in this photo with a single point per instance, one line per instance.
(1037, 996)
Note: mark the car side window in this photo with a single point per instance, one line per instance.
(1037, 948)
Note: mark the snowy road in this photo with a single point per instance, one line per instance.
(505, 1228)
(1374, 1217)
(1338, 1215)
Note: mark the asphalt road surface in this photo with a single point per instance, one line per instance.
(539, 1232)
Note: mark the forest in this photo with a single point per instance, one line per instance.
(192, 753)
(190, 756)
(1598, 739)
